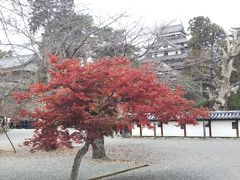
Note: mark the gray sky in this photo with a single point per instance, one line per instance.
(224, 13)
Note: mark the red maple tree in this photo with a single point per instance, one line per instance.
(97, 100)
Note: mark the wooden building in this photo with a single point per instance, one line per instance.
(16, 69)
(16, 73)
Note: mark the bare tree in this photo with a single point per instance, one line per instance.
(71, 34)
(41, 27)
(225, 88)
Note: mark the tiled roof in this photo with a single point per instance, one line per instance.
(216, 115)
(14, 61)
(224, 115)
(23, 62)
(171, 57)
(179, 40)
(174, 28)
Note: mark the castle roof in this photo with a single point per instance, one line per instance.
(173, 29)
(23, 62)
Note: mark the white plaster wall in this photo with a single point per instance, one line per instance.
(171, 53)
(219, 129)
(196, 130)
(136, 131)
(147, 131)
(223, 129)
(239, 126)
(158, 130)
(160, 54)
(207, 132)
(171, 130)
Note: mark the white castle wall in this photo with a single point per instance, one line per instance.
(136, 131)
(171, 129)
(147, 132)
(223, 129)
(196, 130)
(219, 129)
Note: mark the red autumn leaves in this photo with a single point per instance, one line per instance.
(98, 99)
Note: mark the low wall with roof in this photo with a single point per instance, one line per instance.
(220, 124)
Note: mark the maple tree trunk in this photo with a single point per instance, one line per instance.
(77, 161)
(98, 149)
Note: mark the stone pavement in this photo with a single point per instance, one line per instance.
(168, 159)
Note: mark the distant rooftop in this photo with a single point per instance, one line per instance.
(173, 29)
(215, 115)
(172, 57)
(178, 40)
(224, 115)
(16, 62)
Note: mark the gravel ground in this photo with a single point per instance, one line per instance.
(168, 159)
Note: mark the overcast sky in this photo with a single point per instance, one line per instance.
(225, 13)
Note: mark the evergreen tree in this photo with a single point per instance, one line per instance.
(204, 58)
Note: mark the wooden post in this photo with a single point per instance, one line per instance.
(140, 130)
(185, 130)
(210, 128)
(161, 129)
(154, 129)
(237, 128)
(204, 129)
(9, 140)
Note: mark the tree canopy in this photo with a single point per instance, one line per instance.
(203, 64)
(103, 97)
(98, 99)
(205, 34)
(44, 12)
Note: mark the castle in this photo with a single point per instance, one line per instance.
(171, 47)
